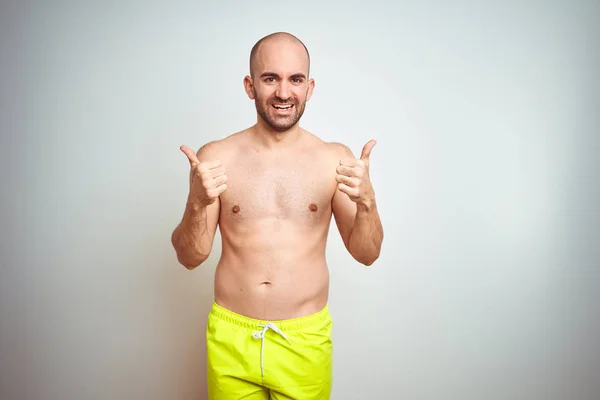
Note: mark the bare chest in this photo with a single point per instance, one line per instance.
(291, 190)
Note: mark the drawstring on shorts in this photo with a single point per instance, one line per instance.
(261, 335)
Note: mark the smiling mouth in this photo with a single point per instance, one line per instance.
(283, 107)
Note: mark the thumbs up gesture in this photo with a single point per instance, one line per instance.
(353, 176)
(207, 179)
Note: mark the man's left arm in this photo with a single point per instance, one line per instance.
(355, 208)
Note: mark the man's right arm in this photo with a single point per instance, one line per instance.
(193, 237)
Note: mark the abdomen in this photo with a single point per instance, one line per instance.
(273, 269)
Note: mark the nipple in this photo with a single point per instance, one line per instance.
(313, 207)
(236, 209)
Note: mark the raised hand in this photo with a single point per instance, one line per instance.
(207, 179)
(353, 176)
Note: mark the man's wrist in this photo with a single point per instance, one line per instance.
(366, 205)
(195, 205)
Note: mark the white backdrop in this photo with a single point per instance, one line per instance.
(486, 116)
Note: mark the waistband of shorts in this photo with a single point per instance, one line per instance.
(299, 323)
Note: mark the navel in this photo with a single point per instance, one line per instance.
(235, 209)
(313, 207)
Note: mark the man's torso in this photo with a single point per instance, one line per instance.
(274, 221)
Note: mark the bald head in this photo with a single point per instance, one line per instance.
(274, 41)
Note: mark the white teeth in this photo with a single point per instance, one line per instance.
(282, 107)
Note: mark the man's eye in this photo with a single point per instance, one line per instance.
(270, 79)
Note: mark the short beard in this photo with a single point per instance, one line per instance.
(278, 126)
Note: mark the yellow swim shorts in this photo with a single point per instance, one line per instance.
(283, 360)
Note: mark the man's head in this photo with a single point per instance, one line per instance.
(279, 81)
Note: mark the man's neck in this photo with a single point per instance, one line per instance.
(269, 138)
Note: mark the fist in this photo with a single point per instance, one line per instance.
(207, 179)
(353, 176)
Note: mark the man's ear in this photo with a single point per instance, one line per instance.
(249, 86)
(311, 87)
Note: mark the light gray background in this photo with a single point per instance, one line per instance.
(487, 121)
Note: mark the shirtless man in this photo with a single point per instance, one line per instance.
(272, 190)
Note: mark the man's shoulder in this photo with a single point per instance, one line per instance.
(220, 148)
(335, 149)
(339, 149)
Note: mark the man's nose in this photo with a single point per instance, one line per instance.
(283, 90)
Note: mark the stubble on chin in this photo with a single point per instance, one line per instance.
(277, 124)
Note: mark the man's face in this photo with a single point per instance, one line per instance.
(280, 87)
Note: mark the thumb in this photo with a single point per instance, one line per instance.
(366, 151)
(190, 155)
